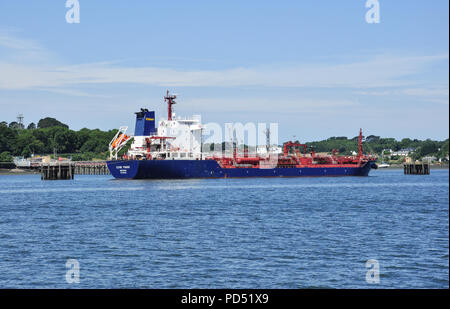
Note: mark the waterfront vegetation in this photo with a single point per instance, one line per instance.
(50, 136)
(386, 147)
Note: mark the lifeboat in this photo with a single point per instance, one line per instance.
(119, 140)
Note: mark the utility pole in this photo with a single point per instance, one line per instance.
(20, 121)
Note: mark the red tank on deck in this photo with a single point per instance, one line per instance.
(297, 159)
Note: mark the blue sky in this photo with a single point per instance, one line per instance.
(315, 67)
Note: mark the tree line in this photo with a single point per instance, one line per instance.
(51, 135)
(371, 144)
(377, 145)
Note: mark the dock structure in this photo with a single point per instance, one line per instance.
(416, 169)
(91, 168)
(67, 170)
(57, 171)
(7, 165)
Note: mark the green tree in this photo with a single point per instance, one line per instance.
(94, 145)
(372, 138)
(15, 125)
(443, 153)
(65, 141)
(49, 122)
(8, 138)
(429, 147)
(23, 141)
(5, 156)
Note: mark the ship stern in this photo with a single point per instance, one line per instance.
(123, 169)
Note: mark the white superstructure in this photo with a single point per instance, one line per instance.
(175, 138)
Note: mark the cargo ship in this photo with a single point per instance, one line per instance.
(173, 150)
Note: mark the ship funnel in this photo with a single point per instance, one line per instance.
(145, 123)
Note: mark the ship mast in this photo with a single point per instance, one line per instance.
(267, 132)
(170, 99)
(360, 143)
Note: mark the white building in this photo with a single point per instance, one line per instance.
(429, 159)
(262, 150)
(402, 152)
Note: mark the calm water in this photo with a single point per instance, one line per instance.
(227, 233)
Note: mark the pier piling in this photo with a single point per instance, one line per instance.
(57, 171)
(67, 170)
(416, 169)
(91, 168)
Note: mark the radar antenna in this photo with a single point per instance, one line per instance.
(170, 99)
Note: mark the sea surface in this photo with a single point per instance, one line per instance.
(226, 233)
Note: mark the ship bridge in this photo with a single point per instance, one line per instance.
(174, 138)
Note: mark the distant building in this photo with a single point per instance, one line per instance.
(402, 152)
(429, 159)
(262, 149)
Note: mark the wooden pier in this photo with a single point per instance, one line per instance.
(91, 168)
(67, 170)
(416, 169)
(57, 171)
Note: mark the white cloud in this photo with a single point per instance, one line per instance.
(29, 66)
(9, 41)
(263, 104)
(380, 71)
(15, 50)
(431, 94)
(372, 73)
(433, 91)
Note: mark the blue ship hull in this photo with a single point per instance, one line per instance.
(182, 169)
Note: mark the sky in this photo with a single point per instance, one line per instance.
(316, 68)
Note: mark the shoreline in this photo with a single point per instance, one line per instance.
(16, 171)
(432, 167)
